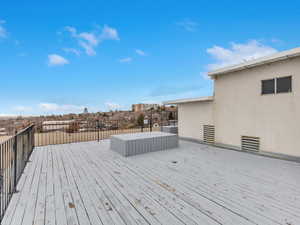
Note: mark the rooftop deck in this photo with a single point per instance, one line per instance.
(86, 183)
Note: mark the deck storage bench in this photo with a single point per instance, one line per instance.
(170, 129)
(139, 143)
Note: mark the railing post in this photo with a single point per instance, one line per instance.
(32, 133)
(98, 133)
(15, 148)
(151, 120)
(1, 179)
(28, 145)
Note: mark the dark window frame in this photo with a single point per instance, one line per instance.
(290, 89)
(265, 92)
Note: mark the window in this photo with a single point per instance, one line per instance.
(284, 84)
(276, 85)
(268, 86)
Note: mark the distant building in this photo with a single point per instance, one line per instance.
(3, 132)
(143, 107)
(85, 111)
(56, 125)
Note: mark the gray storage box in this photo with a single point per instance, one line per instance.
(170, 129)
(139, 143)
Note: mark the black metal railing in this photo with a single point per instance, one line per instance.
(14, 154)
(64, 132)
(15, 151)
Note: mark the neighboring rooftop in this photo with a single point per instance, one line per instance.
(88, 184)
(257, 62)
(188, 100)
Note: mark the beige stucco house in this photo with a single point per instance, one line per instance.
(255, 107)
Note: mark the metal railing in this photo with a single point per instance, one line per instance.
(14, 154)
(65, 132)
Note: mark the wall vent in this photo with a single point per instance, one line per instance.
(209, 134)
(250, 143)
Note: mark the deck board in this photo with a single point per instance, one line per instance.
(88, 184)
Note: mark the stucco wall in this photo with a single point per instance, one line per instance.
(192, 117)
(240, 109)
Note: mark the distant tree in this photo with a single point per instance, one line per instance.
(140, 120)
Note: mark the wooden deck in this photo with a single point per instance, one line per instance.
(86, 183)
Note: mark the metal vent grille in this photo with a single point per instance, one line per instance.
(250, 143)
(209, 134)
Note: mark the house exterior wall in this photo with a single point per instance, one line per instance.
(240, 109)
(192, 117)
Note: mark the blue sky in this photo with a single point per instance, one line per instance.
(60, 56)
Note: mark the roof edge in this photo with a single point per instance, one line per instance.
(188, 100)
(280, 56)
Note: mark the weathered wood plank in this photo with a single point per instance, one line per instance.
(86, 183)
(77, 202)
(40, 209)
(71, 213)
(60, 205)
(18, 203)
(50, 194)
(113, 202)
(90, 208)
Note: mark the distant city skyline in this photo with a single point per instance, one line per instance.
(60, 57)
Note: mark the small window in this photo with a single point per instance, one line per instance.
(284, 84)
(268, 86)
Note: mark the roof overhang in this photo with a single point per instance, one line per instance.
(257, 62)
(189, 100)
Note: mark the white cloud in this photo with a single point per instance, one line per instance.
(56, 60)
(22, 108)
(3, 31)
(72, 30)
(56, 108)
(90, 40)
(72, 50)
(140, 52)
(112, 106)
(238, 53)
(188, 25)
(125, 60)
(7, 115)
(277, 41)
(109, 33)
(89, 49)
